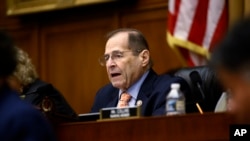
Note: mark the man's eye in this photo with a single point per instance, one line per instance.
(118, 55)
(106, 57)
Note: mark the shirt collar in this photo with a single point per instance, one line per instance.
(134, 89)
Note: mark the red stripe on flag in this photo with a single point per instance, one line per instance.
(198, 27)
(221, 27)
(185, 53)
(172, 18)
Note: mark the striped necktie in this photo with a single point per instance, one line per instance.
(124, 100)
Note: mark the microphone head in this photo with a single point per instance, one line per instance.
(195, 77)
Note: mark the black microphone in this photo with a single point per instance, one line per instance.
(196, 79)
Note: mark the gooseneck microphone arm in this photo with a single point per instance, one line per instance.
(197, 81)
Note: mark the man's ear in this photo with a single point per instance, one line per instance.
(145, 57)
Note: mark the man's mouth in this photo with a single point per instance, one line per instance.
(115, 74)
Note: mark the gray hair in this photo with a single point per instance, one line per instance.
(25, 71)
(137, 41)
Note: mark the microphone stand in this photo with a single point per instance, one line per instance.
(196, 79)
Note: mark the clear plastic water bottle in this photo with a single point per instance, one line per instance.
(175, 101)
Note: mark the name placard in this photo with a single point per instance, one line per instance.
(118, 113)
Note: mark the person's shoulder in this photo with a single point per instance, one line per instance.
(41, 86)
(36, 86)
(23, 108)
(168, 78)
(26, 119)
(38, 82)
(104, 95)
(107, 88)
(20, 116)
(165, 80)
(23, 113)
(16, 108)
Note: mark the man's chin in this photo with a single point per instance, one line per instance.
(117, 85)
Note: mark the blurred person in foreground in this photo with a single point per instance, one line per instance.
(37, 92)
(129, 67)
(232, 61)
(19, 121)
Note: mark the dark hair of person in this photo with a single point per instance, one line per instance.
(233, 52)
(8, 60)
(136, 40)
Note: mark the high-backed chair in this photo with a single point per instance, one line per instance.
(205, 88)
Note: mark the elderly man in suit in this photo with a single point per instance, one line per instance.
(133, 81)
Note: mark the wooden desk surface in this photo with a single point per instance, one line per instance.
(194, 127)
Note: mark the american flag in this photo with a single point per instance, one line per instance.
(194, 27)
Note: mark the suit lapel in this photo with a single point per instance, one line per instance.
(114, 98)
(146, 90)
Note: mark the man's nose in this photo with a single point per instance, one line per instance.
(110, 63)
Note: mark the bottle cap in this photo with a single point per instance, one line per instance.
(175, 86)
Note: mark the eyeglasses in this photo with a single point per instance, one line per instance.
(115, 55)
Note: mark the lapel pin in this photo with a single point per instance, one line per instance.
(139, 103)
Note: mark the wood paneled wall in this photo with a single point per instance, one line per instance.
(65, 45)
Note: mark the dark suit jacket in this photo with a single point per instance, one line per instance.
(19, 121)
(152, 93)
(38, 90)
